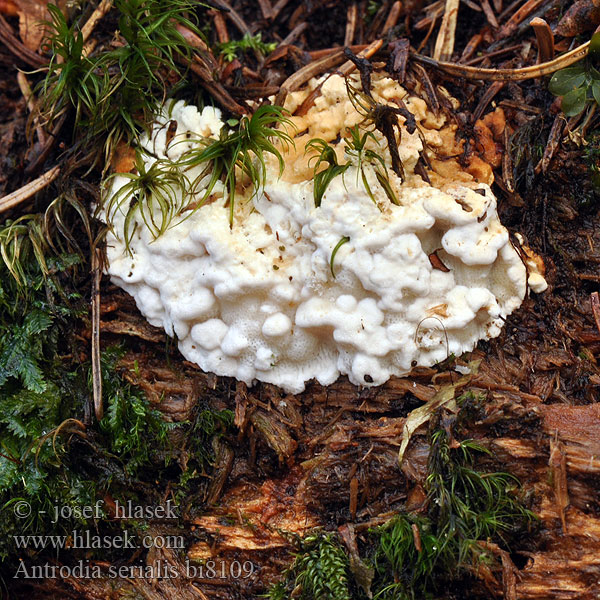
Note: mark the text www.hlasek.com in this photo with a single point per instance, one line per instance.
(87, 540)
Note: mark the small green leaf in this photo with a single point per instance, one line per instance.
(387, 188)
(594, 49)
(324, 178)
(596, 91)
(593, 73)
(567, 80)
(574, 102)
(343, 241)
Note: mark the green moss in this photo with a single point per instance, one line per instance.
(320, 571)
(235, 48)
(465, 507)
(415, 556)
(52, 454)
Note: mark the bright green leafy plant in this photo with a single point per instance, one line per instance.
(156, 191)
(115, 92)
(470, 518)
(321, 179)
(232, 49)
(579, 85)
(52, 454)
(239, 151)
(356, 150)
(359, 155)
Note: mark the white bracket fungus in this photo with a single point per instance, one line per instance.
(263, 299)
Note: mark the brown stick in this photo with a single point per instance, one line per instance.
(218, 92)
(96, 365)
(444, 44)
(294, 34)
(220, 27)
(471, 46)
(552, 144)
(266, 8)
(351, 18)
(31, 105)
(532, 72)
(509, 27)
(235, 18)
(317, 54)
(595, 300)
(545, 39)
(392, 18)
(279, 6)
(489, 13)
(17, 47)
(492, 90)
(102, 9)
(27, 191)
(320, 66)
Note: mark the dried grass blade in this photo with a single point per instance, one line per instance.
(27, 191)
(444, 44)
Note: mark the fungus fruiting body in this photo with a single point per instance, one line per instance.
(381, 275)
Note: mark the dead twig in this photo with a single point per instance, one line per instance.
(552, 144)
(507, 164)
(595, 301)
(471, 46)
(487, 97)
(17, 47)
(306, 73)
(102, 9)
(494, 54)
(27, 191)
(399, 51)
(235, 17)
(489, 13)
(31, 105)
(392, 18)
(220, 26)
(545, 39)
(369, 51)
(558, 465)
(265, 8)
(38, 161)
(429, 89)
(95, 358)
(444, 44)
(318, 54)
(279, 6)
(318, 67)
(351, 20)
(294, 34)
(214, 88)
(511, 25)
(564, 60)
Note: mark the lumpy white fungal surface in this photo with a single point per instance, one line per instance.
(414, 283)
